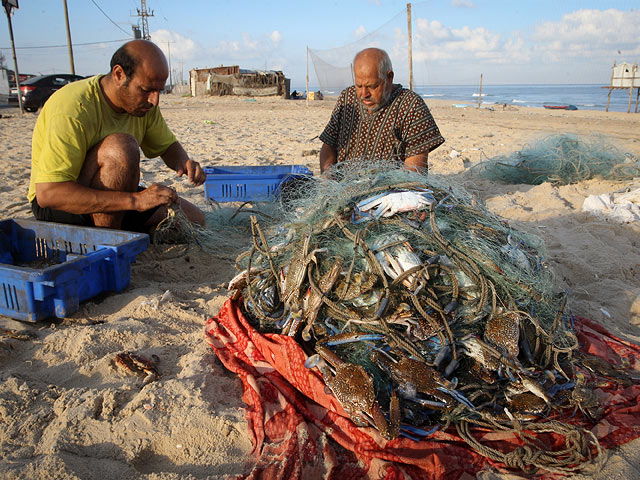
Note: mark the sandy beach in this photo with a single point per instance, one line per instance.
(67, 412)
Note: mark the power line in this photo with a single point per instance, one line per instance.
(75, 44)
(98, 7)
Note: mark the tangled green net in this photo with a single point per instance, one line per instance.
(561, 160)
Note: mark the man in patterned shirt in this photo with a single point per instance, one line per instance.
(375, 119)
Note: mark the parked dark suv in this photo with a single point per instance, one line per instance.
(36, 90)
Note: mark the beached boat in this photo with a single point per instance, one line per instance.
(559, 106)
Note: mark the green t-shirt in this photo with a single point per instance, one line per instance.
(76, 118)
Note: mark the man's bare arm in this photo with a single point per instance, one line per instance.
(176, 158)
(417, 162)
(328, 157)
(75, 198)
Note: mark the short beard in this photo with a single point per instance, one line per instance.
(379, 106)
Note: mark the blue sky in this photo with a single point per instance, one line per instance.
(561, 41)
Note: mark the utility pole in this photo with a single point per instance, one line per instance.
(170, 78)
(66, 18)
(143, 13)
(410, 46)
(8, 6)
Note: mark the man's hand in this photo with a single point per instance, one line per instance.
(177, 159)
(328, 157)
(194, 172)
(417, 163)
(153, 196)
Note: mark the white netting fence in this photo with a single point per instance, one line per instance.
(452, 44)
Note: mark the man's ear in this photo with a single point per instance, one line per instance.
(118, 75)
(390, 76)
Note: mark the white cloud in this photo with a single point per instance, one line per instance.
(594, 34)
(249, 42)
(463, 4)
(591, 26)
(580, 41)
(275, 37)
(181, 47)
(434, 41)
(360, 32)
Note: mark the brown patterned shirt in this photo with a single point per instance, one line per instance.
(402, 128)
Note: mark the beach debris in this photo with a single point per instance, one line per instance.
(421, 309)
(22, 335)
(623, 207)
(137, 364)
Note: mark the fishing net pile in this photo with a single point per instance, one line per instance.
(422, 310)
(561, 160)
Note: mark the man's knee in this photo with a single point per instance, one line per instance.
(119, 148)
(116, 156)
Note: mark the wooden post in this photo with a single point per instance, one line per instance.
(410, 46)
(613, 69)
(633, 81)
(637, 98)
(480, 96)
(170, 76)
(7, 9)
(308, 75)
(66, 19)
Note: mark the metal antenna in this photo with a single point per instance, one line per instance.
(143, 13)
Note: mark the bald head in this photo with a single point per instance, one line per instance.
(373, 59)
(140, 55)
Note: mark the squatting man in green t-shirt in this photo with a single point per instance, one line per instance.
(85, 164)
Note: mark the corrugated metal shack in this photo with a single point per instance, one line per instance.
(231, 80)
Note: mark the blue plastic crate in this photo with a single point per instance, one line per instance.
(77, 263)
(249, 184)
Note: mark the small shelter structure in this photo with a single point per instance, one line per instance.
(625, 76)
(232, 80)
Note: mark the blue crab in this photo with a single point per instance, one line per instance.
(413, 377)
(503, 332)
(295, 276)
(353, 387)
(312, 301)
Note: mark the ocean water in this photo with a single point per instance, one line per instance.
(584, 97)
